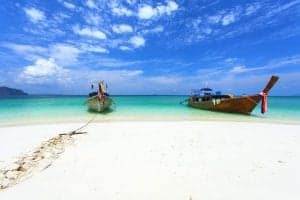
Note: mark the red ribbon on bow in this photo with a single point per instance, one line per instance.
(264, 102)
(101, 96)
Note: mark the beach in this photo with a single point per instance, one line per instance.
(149, 100)
(160, 160)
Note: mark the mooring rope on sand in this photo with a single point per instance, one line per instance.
(76, 131)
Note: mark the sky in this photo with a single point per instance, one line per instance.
(150, 47)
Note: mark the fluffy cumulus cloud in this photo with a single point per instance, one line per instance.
(122, 28)
(148, 12)
(53, 68)
(34, 14)
(137, 41)
(43, 71)
(90, 32)
(41, 68)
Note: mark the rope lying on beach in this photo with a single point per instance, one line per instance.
(39, 159)
(76, 131)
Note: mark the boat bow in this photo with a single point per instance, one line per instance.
(264, 93)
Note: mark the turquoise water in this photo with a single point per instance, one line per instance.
(43, 109)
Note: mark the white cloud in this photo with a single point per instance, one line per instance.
(34, 14)
(60, 17)
(282, 8)
(207, 31)
(239, 69)
(28, 52)
(43, 71)
(91, 32)
(165, 80)
(64, 54)
(125, 48)
(156, 29)
(116, 78)
(273, 64)
(24, 49)
(122, 28)
(131, 73)
(69, 5)
(228, 19)
(93, 19)
(122, 11)
(214, 19)
(51, 69)
(168, 9)
(147, 11)
(41, 67)
(252, 9)
(131, 2)
(137, 41)
(91, 4)
(111, 62)
(224, 18)
(91, 48)
(276, 63)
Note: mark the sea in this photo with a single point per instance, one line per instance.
(61, 109)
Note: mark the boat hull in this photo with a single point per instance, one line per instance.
(242, 105)
(97, 105)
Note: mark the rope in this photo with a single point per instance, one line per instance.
(76, 131)
(85, 125)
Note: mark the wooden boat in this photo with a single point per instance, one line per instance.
(99, 101)
(228, 103)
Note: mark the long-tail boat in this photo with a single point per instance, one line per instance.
(206, 99)
(99, 101)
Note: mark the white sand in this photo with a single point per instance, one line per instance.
(163, 160)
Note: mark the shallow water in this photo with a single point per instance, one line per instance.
(48, 109)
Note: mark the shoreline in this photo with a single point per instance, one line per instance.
(146, 119)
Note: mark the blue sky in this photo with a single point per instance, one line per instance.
(149, 47)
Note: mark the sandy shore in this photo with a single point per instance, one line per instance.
(162, 160)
